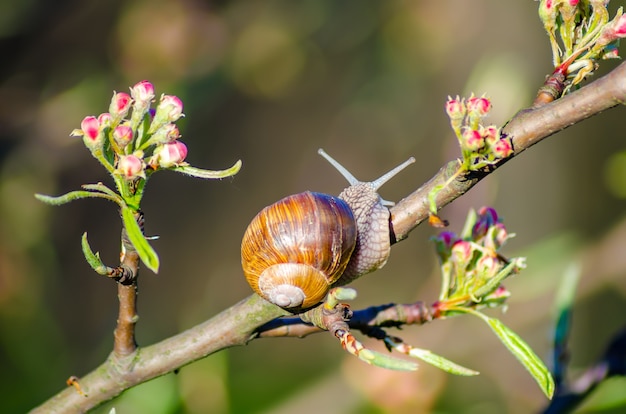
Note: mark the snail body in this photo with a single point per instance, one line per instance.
(296, 249)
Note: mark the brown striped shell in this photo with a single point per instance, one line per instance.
(294, 249)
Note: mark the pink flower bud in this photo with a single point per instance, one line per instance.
(105, 119)
(478, 106)
(462, 252)
(122, 135)
(491, 134)
(167, 133)
(488, 266)
(455, 108)
(170, 108)
(120, 104)
(130, 167)
(620, 26)
(499, 235)
(548, 13)
(142, 93)
(614, 30)
(90, 127)
(169, 155)
(472, 140)
(610, 52)
(502, 148)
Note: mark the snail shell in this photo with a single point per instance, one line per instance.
(294, 249)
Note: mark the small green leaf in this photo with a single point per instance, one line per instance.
(511, 268)
(93, 258)
(563, 315)
(432, 198)
(146, 253)
(101, 188)
(385, 361)
(200, 173)
(71, 196)
(441, 362)
(470, 221)
(522, 352)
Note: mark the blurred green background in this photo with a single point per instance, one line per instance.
(269, 82)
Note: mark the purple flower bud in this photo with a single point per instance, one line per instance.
(487, 217)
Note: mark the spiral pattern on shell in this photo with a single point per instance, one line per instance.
(294, 249)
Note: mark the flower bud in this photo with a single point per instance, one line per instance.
(488, 266)
(502, 148)
(120, 104)
(487, 217)
(122, 135)
(169, 155)
(92, 134)
(170, 108)
(130, 167)
(478, 106)
(167, 133)
(548, 13)
(90, 127)
(455, 108)
(444, 242)
(614, 30)
(462, 252)
(105, 119)
(491, 134)
(142, 93)
(472, 140)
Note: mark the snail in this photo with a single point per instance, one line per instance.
(296, 249)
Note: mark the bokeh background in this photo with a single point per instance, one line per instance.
(269, 82)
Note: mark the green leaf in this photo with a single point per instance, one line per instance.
(432, 198)
(514, 266)
(522, 352)
(208, 174)
(441, 362)
(470, 221)
(385, 361)
(563, 315)
(73, 195)
(146, 253)
(93, 258)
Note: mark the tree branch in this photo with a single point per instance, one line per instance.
(237, 325)
(527, 128)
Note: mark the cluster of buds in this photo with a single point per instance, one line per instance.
(480, 145)
(586, 33)
(132, 138)
(472, 268)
